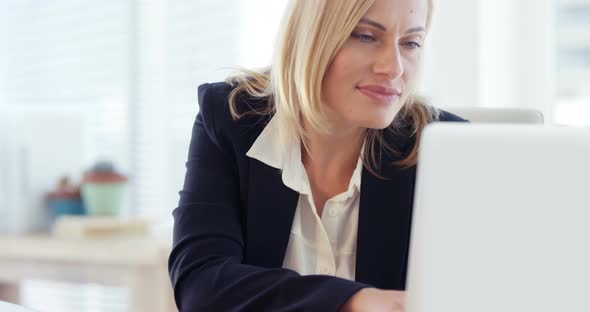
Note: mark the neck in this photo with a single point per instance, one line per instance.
(330, 162)
(334, 155)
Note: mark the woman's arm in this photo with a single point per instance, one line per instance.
(206, 262)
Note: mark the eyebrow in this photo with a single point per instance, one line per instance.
(383, 28)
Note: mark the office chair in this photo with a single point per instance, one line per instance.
(499, 115)
(9, 307)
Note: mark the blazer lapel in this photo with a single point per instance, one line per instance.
(271, 208)
(385, 214)
(384, 228)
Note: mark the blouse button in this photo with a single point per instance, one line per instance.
(333, 212)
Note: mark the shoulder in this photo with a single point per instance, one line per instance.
(213, 94)
(214, 108)
(214, 101)
(446, 116)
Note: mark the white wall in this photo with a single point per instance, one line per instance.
(257, 35)
(451, 66)
(537, 58)
(491, 54)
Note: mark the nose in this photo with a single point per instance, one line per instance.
(388, 62)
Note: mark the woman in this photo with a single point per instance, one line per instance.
(300, 179)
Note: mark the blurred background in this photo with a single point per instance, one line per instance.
(98, 98)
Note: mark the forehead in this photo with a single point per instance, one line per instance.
(395, 14)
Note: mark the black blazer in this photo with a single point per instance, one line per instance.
(234, 217)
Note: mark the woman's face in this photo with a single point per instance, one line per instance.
(376, 66)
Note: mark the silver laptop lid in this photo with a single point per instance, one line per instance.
(501, 220)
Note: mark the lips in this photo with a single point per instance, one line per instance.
(381, 94)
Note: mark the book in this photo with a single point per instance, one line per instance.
(95, 226)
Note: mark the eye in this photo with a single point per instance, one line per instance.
(412, 44)
(364, 37)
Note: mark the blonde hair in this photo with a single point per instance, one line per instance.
(306, 46)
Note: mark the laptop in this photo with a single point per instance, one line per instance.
(501, 220)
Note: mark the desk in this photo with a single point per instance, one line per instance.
(140, 264)
(8, 307)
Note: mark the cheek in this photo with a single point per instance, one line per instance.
(349, 63)
(411, 69)
(338, 72)
(343, 74)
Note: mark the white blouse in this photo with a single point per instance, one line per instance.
(323, 244)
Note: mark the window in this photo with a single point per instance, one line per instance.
(86, 80)
(572, 62)
(125, 72)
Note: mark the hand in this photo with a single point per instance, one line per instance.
(377, 300)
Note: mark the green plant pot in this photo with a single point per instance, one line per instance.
(103, 199)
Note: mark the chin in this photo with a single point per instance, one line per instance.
(380, 121)
(378, 124)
